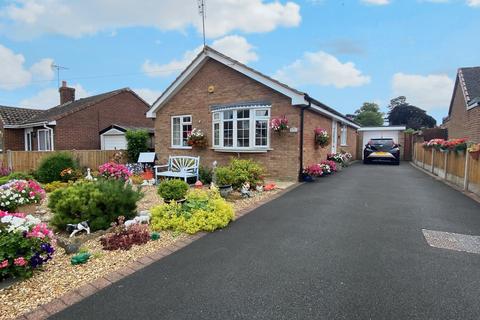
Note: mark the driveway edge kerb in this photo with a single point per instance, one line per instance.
(469, 194)
(58, 304)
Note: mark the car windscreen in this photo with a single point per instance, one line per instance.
(381, 144)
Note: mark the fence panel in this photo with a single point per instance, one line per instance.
(30, 160)
(456, 168)
(474, 175)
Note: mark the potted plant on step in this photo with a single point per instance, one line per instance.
(173, 190)
(224, 179)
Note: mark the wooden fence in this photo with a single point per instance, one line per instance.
(29, 160)
(459, 168)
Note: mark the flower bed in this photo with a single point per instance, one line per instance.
(17, 193)
(112, 170)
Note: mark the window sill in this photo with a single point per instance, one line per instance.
(344, 145)
(263, 150)
(182, 148)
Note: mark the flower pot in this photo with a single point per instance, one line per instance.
(307, 178)
(225, 190)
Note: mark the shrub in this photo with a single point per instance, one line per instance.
(100, 203)
(25, 244)
(17, 193)
(19, 175)
(112, 170)
(52, 186)
(52, 165)
(203, 210)
(205, 175)
(246, 171)
(123, 238)
(224, 176)
(70, 174)
(173, 189)
(137, 141)
(137, 179)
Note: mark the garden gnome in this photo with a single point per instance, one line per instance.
(245, 191)
(89, 175)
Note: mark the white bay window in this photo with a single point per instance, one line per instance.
(241, 127)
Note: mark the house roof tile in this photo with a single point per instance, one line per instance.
(15, 115)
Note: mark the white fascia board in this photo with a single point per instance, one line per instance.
(179, 82)
(30, 125)
(113, 132)
(334, 116)
(398, 128)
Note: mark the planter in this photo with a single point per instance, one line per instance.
(225, 190)
(307, 178)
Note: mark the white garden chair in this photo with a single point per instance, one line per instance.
(178, 167)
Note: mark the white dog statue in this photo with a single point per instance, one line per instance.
(75, 228)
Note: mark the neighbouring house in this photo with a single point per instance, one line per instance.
(394, 132)
(463, 120)
(75, 124)
(234, 105)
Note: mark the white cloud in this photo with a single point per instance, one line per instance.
(233, 46)
(323, 69)
(43, 70)
(50, 97)
(427, 92)
(12, 70)
(473, 3)
(148, 95)
(376, 2)
(27, 18)
(14, 74)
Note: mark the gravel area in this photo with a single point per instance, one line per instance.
(59, 276)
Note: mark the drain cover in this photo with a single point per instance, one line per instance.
(452, 241)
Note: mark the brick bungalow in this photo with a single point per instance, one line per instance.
(463, 119)
(74, 124)
(233, 104)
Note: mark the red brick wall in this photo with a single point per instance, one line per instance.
(473, 124)
(79, 130)
(14, 139)
(230, 87)
(457, 124)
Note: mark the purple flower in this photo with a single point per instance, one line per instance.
(47, 248)
(36, 260)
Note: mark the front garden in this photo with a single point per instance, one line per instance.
(63, 226)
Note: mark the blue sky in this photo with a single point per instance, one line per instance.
(341, 52)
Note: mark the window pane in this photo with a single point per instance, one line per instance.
(176, 132)
(261, 131)
(228, 133)
(261, 113)
(187, 128)
(41, 140)
(243, 114)
(187, 119)
(216, 116)
(216, 134)
(227, 115)
(243, 133)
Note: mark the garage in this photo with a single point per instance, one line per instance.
(393, 132)
(113, 137)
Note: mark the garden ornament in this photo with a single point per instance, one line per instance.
(259, 187)
(130, 223)
(245, 191)
(69, 247)
(198, 184)
(154, 236)
(89, 175)
(144, 213)
(75, 228)
(142, 219)
(80, 258)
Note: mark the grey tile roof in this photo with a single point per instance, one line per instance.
(471, 82)
(15, 115)
(62, 110)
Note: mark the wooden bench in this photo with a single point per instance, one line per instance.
(178, 167)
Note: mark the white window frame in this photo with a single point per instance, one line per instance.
(344, 135)
(48, 139)
(182, 123)
(252, 121)
(28, 139)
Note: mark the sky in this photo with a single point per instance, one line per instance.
(342, 53)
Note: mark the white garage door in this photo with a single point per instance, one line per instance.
(114, 142)
(368, 135)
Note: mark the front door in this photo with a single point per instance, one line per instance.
(334, 136)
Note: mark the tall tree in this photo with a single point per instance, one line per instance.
(403, 113)
(369, 115)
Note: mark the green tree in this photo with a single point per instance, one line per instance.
(137, 141)
(403, 113)
(369, 115)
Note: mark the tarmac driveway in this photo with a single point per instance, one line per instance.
(347, 247)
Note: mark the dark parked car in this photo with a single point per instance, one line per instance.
(382, 150)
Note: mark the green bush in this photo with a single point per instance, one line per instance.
(100, 203)
(246, 171)
(52, 186)
(224, 176)
(174, 189)
(205, 175)
(16, 176)
(137, 141)
(52, 165)
(203, 210)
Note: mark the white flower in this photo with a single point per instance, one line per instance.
(23, 191)
(7, 203)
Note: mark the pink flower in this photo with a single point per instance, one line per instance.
(4, 264)
(20, 261)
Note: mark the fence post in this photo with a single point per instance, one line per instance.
(9, 159)
(433, 163)
(423, 159)
(446, 164)
(465, 179)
